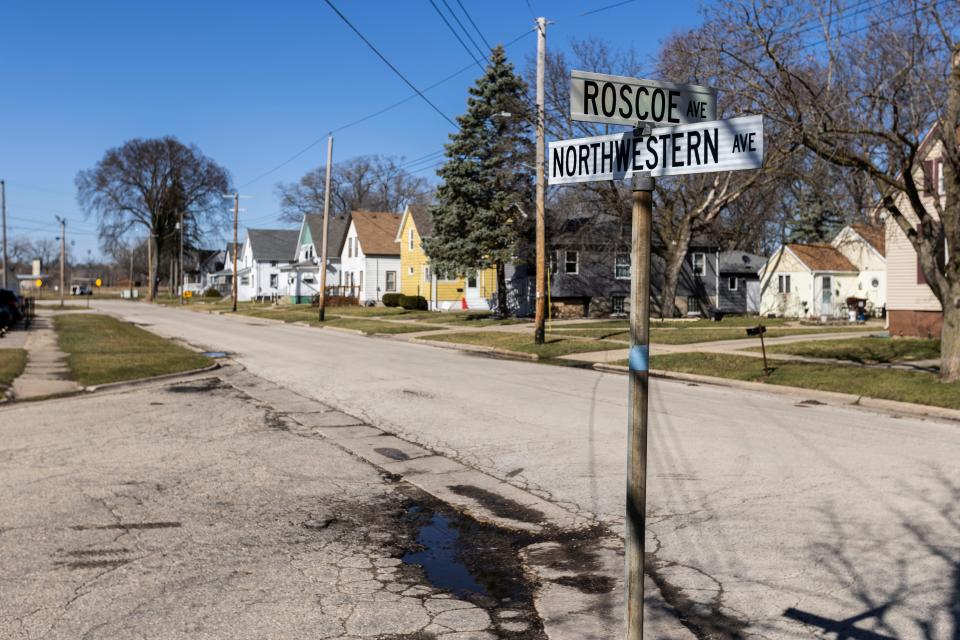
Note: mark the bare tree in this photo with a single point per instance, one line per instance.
(865, 96)
(369, 183)
(147, 184)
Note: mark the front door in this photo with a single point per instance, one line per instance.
(753, 296)
(473, 291)
(826, 296)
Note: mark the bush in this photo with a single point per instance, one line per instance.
(413, 303)
(391, 299)
(211, 292)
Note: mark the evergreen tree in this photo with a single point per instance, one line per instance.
(487, 179)
(817, 219)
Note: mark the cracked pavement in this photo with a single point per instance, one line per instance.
(807, 519)
(191, 510)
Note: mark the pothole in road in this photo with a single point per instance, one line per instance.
(473, 562)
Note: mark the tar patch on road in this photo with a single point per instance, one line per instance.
(475, 562)
(498, 505)
(200, 386)
(393, 454)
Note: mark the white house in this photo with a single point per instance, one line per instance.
(370, 255)
(865, 247)
(807, 280)
(264, 253)
(913, 309)
(303, 276)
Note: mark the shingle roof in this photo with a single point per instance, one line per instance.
(422, 219)
(377, 231)
(874, 235)
(336, 230)
(740, 262)
(273, 244)
(821, 257)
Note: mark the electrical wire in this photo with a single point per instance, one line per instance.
(477, 29)
(455, 34)
(482, 53)
(390, 64)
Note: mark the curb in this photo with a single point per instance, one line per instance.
(849, 399)
(476, 348)
(141, 381)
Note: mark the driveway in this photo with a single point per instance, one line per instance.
(768, 516)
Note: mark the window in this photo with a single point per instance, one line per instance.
(245, 280)
(621, 267)
(732, 284)
(783, 283)
(274, 280)
(410, 239)
(360, 283)
(273, 263)
(426, 273)
(618, 304)
(409, 271)
(571, 263)
(699, 263)
(391, 280)
(875, 283)
(554, 259)
(693, 306)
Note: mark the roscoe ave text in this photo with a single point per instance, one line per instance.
(722, 145)
(597, 97)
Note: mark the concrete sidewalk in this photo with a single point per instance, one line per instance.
(46, 371)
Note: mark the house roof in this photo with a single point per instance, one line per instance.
(377, 231)
(874, 236)
(273, 244)
(821, 257)
(336, 230)
(423, 219)
(740, 262)
(232, 248)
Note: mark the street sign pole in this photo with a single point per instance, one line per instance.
(642, 187)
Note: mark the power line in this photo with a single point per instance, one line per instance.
(455, 34)
(390, 64)
(379, 112)
(464, 29)
(477, 29)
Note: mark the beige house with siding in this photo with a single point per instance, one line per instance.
(913, 310)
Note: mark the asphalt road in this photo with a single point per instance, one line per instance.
(772, 517)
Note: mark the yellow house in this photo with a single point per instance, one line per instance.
(417, 278)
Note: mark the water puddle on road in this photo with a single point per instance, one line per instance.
(470, 561)
(214, 354)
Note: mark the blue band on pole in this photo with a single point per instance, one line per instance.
(639, 357)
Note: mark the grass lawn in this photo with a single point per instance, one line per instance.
(555, 345)
(691, 334)
(12, 362)
(868, 349)
(372, 326)
(102, 349)
(889, 384)
(55, 306)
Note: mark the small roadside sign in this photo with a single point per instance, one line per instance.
(188, 294)
(98, 282)
(598, 97)
(721, 145)
(38, 282)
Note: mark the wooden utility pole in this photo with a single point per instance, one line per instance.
(236, 222)
(326, 222)
(3, 205)
(180, 265)
(637, 420)
(131, 272)
(539, 332)
(63, 245)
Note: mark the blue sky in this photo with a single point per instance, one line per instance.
(251, 83)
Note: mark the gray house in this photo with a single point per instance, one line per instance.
(589, 271)
(739, 282)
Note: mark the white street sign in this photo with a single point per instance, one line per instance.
(598, 97)
(720, 145)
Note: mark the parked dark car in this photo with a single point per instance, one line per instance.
(11, 308)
